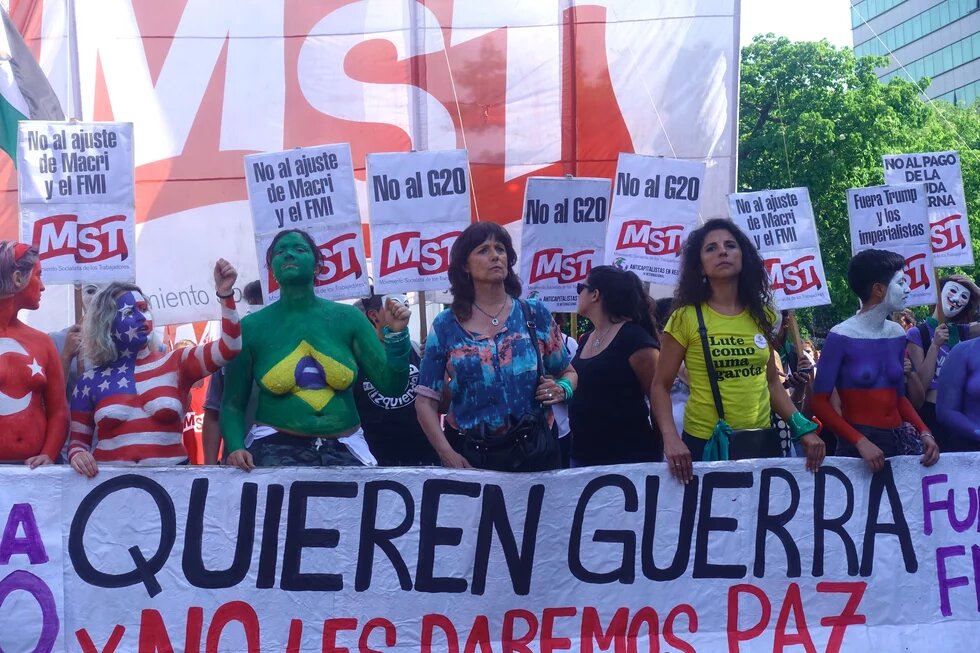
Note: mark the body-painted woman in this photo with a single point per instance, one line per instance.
(304, 354)
(862, 359)
(131, 405)
(33, 410)
(958, 396)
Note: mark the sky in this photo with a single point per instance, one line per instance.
(799, 20)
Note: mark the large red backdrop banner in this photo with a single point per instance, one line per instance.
(545, 88)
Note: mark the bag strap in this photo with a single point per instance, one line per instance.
(709, 365)
(533, 332)
(925, 336)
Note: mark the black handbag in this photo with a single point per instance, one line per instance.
(529, 445)
(742, 443)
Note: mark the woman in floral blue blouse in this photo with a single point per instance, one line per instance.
(483, 345)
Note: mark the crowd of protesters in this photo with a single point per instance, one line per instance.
(715, 373)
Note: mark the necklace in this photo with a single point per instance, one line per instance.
(493, 318)
(598, 337)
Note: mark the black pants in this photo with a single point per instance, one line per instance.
(696, 446)
(285, 450)
(884, 439)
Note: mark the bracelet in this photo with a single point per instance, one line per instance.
(228, 296)
(926, 435)
(394, 336)
(565, 385)
(800, 426)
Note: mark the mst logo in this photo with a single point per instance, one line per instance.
(916, 272)
(948, 234)
(565, 268)
(61, 235)
(793, 277)
(409, 251)
(338, 261)
(656, 241)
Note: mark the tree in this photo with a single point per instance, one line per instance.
(813, 115)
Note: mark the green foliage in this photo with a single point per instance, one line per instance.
(812, 115)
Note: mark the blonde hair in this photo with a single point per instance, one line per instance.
(97, 344)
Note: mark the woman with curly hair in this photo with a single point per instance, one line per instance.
(723, 283)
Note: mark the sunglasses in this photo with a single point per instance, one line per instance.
(582, 286)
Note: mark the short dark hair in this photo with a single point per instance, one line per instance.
(252, 292)
(372, 302)
(460, 283)
(870, 267)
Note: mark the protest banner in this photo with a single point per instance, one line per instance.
(895, 218)
(781, 224)
(204, 82)
(419, 203)
(562, 236)
(77, 199)
(748, 556)
(940, 173)
(310, 188)
(655, 205)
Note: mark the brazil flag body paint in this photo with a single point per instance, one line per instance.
(304, 353)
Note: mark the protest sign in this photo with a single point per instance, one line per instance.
(895, 218)
(204, 82)
(780, 223)
(940, 173)
(77, 199)
(655, 205)
(310, 188)
(748, 556)
(562, 237)
(419, 203)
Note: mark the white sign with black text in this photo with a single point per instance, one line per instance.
(781, 225)
(940, 173)
(311, 189)
(419, 203)
(895, 218)
(562, 236)
(77, 199)
(656, 203)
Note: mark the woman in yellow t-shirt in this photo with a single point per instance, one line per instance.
(722, 272)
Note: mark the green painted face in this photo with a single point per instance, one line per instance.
(293, 260)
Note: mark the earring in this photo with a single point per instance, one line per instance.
(704, 278)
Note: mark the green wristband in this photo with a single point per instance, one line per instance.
(800, 426)
(565, 385)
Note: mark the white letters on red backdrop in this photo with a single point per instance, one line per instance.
(754, 556)
(309, 188)
(76, 199)
(562, 236)
(550, 87)
(419, 204)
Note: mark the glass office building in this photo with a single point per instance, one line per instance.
(938, 39)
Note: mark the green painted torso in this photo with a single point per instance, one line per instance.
(277, 339)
